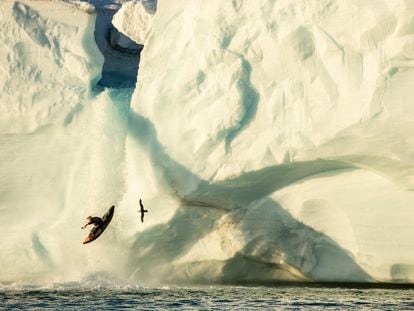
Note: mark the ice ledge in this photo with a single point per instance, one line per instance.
(134, 20)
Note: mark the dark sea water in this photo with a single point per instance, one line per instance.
(76, 296)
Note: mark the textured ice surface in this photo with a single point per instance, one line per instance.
(294, 120)
(269, 140)
(134, 20)
(55, 138)
(48, 62)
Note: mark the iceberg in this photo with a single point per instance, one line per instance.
(280, 129)
(269, 140)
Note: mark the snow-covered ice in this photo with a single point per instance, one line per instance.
(269, 140)
(134, 20)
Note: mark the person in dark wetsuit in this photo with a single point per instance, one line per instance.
(97, 221)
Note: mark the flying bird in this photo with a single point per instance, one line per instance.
(142, 210)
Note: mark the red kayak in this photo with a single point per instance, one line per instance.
(98, 230)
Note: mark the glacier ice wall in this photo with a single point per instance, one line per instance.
(270, 140)
(32, 94)
(281, 130)
(296, 74)
(59, 140)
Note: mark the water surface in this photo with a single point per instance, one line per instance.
(76, 296)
